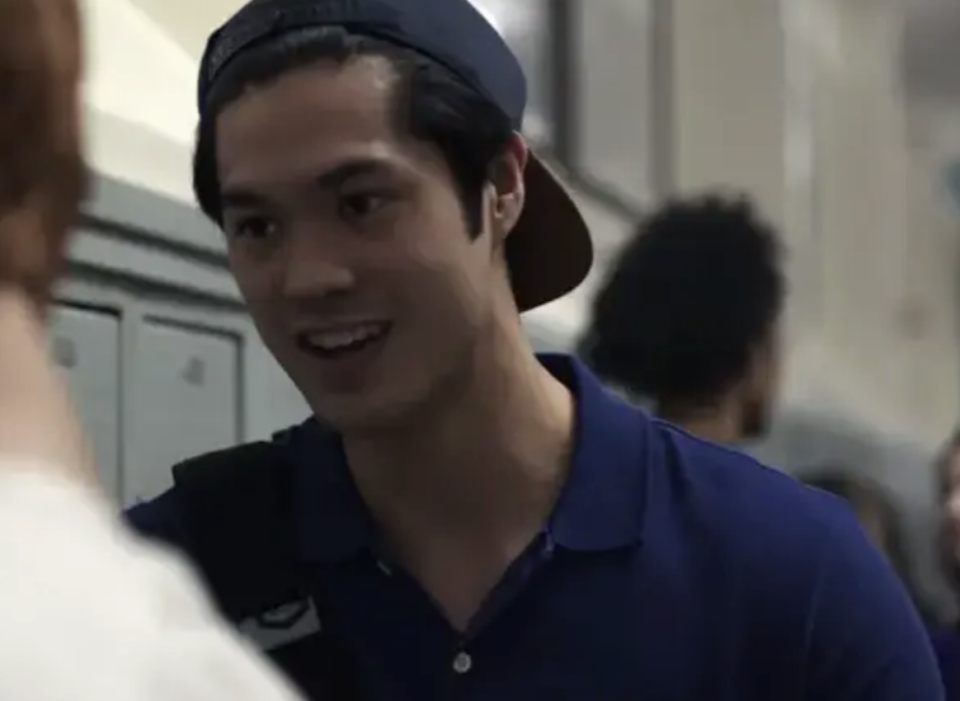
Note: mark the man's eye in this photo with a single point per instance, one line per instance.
(361, 204)
(252, 227)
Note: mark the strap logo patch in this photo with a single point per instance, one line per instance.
(283, 625)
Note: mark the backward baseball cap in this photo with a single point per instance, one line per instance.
(549, 252)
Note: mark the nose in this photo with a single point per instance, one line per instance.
(315, 265)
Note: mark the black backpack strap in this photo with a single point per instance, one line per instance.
(242, 533)
(237, 504)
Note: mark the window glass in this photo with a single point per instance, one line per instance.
(615, 69)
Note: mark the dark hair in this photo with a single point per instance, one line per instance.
(690, 296)
(431, 103)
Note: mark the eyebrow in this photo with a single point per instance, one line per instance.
(242, 197)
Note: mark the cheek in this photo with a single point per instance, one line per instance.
(445, 300)
(450, 273)
(257, 290)
(257, 278)
(254, 297)
(462, 290)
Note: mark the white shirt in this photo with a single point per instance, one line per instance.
(88, 611)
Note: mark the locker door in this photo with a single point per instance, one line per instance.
(185, 399)
(86, 345)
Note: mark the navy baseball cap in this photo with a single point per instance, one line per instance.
(550, 251)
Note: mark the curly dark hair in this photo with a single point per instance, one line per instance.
(687, 301)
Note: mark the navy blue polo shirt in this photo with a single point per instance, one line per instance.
(671, 569)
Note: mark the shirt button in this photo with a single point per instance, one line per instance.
(462, 663)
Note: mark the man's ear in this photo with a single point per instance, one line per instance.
(508, 192)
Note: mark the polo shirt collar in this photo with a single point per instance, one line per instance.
(602, 506)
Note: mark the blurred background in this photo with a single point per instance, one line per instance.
(841, 118)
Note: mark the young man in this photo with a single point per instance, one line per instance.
(689, 317)
(466, 520)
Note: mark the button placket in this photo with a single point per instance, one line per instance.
(384, 568)
(462, 662)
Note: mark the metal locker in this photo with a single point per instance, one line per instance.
(185, 401)
(86, 345)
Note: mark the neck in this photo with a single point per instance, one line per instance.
(483, 466)
(720, 422)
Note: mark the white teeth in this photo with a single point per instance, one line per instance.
(342, 338)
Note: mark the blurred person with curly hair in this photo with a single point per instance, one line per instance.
(689, 317)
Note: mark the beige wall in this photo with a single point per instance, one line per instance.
(829, 156)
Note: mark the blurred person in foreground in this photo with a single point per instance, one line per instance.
(880, 519)
(946, 640)
(88, 611)
(689, 317)
(468, 520)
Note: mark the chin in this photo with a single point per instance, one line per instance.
(353, 417)
(369, 411)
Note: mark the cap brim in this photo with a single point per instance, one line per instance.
(549, 251)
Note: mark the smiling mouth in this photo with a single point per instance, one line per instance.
(341, 342)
